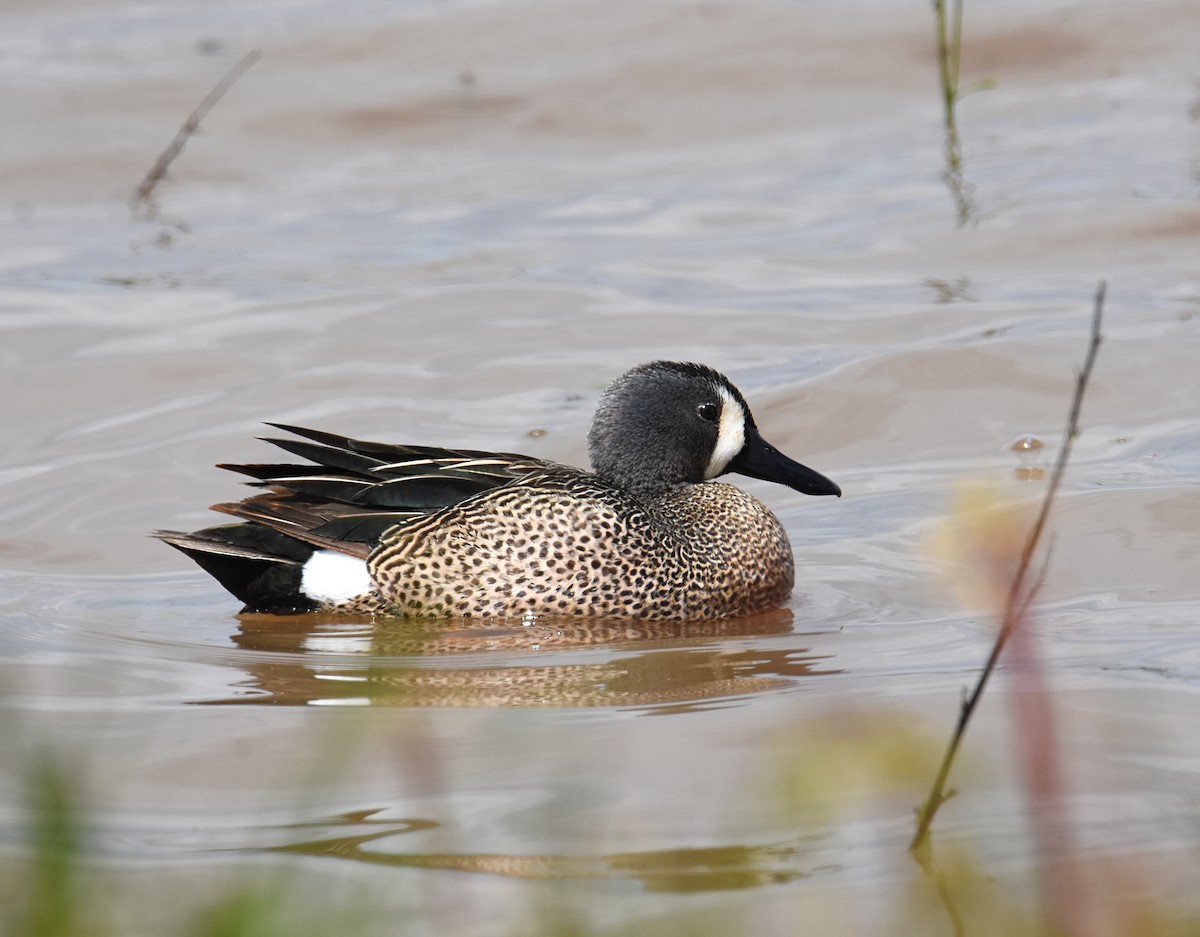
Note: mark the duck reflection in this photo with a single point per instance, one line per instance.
(367, 838)
(541, 662)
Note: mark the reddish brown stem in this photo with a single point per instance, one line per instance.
(1019, 596)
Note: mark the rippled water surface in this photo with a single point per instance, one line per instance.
(454, 223)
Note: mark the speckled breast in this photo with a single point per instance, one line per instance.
(562, 542)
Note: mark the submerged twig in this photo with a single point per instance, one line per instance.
(1019, 597)
(142, 194)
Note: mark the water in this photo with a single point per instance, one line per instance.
(454, 224)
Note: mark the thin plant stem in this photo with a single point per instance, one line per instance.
(142, 196)
(949, 55)
(955, 50)
(1018, 597)
(949, 50)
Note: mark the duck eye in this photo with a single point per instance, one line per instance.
(708, 412)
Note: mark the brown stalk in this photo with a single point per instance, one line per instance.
(142, 196)
(1019, 596)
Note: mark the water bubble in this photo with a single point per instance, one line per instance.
(1029, 451)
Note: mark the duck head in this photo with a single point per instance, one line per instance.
(670, 423)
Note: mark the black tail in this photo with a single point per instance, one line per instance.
(259, 566)
(351, 494)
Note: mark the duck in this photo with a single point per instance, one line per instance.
(423, 531)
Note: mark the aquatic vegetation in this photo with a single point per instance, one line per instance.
(55, 901)
(949, 57)
(990, 534)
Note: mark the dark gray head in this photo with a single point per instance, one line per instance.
(667, 423)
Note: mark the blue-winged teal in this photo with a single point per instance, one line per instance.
(417, 530)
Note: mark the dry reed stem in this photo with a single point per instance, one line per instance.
(1019, 596)
(142, 196)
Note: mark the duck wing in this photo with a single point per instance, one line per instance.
(351, 490)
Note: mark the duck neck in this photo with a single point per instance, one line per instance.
(647, 491)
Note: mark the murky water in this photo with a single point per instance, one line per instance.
(453, 224)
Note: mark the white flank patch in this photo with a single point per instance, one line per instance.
(335, 577)
(731, 435)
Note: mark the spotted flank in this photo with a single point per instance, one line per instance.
(424, 531)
